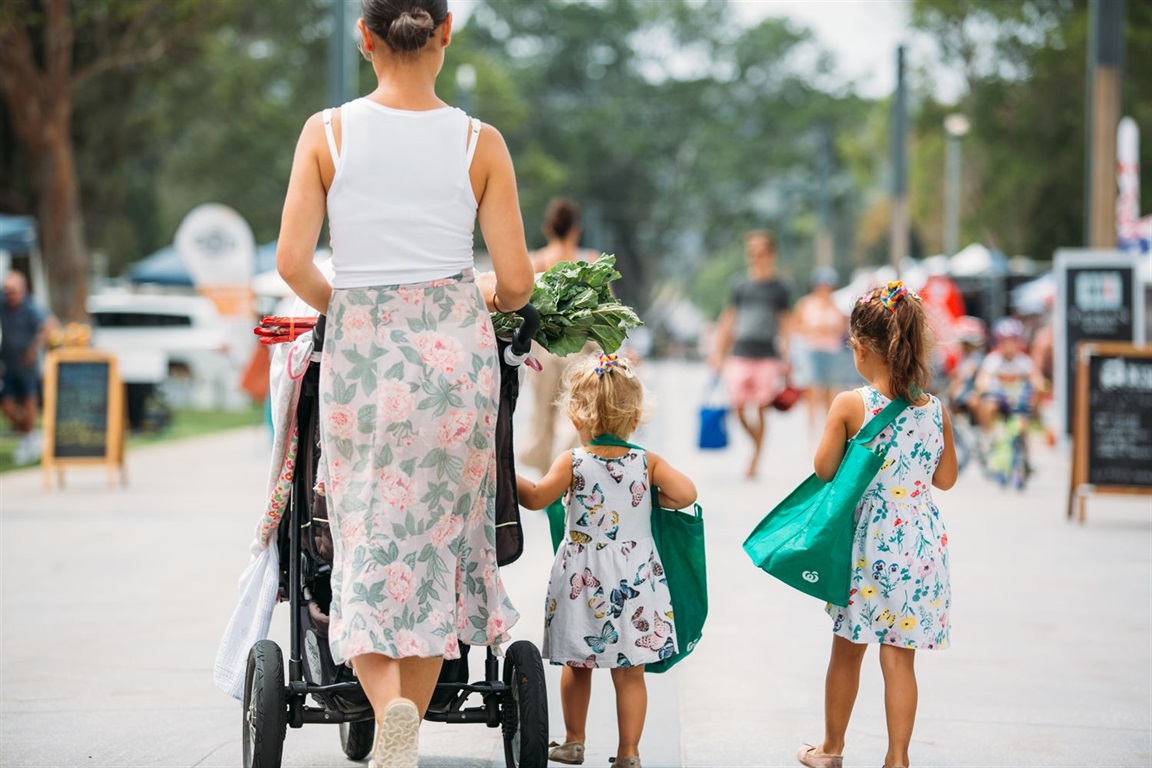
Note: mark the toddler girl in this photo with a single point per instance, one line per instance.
(900, 594)
(608, 603)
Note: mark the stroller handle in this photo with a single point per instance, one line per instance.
(522, 336)
(318, 333)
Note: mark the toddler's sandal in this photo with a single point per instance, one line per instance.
(569, 753)
(813, 758)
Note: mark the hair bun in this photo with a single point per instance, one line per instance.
(410, 30)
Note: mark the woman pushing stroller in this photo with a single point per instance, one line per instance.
(409, 375)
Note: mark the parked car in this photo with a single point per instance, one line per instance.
(179, 344)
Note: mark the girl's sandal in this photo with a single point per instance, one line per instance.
(569, 753)
(813, 758)
(625, 762)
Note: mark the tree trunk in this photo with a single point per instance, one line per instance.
(60, 222)
(634, 287)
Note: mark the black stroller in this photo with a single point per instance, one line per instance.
(274, 699)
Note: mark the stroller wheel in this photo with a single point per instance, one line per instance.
(265, 707)
(356, 738)
(525, 708)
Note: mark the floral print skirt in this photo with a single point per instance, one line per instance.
(409, 383)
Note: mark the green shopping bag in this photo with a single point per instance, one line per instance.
(679, 539)
(806, 540)
(557, 519)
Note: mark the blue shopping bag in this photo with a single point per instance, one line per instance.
(714, 417)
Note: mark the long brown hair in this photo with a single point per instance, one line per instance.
(891, 322)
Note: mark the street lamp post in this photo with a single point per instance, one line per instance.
(956, 127)
(466, 86)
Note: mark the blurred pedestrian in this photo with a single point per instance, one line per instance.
(901, 592)
(409, 377)
(824, 329)
(24, 327)
(752, 340)
(549, 427)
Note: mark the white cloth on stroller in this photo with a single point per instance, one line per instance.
(261, 579)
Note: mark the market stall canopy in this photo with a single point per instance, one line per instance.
(1035, 297)
(166, 267)
(978, 261)
(17, 234)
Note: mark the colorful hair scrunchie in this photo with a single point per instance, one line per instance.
(607, 364)
(892, 294)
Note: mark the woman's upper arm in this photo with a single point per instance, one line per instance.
(494, 181)
(305, 200)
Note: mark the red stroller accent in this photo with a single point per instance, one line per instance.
(516, 701)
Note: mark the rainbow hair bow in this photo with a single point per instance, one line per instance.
(607, 364)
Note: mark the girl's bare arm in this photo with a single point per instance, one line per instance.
(847, 410)
(676, 489)
(539, 494)
(948, 469)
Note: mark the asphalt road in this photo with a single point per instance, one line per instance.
(112, 602)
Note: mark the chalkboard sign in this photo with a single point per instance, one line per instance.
(81, 427)
(83, 411)
(1099, 298)
(1112, 415)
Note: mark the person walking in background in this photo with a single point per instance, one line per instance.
(822, 327)
(752, 340)
(901, 595)
(608, 604)
(409, 375)
(549, 428)
(24, 329)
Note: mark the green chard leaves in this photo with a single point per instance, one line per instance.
(576, 306)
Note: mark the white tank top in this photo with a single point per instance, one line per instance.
(401, 207)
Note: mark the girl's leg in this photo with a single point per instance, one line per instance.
(900, 693)
(575, 693)
(631, 708)
(840, 687)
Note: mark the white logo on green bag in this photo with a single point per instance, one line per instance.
(811, 576)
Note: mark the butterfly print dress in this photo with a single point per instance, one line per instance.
(608, 603)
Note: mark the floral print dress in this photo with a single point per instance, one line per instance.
(900, 590)
(608, 603)
(408, 396)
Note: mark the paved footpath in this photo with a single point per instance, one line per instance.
(112, 603)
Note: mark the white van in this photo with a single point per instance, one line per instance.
(179, 342)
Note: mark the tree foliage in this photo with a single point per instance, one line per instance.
(1025, 73)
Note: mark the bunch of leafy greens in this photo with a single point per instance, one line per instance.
(576, 306)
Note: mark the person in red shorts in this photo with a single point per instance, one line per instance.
(752, 340)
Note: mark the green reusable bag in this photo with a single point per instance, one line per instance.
(557, 514)
(806, 540)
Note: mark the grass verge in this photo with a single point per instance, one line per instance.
(184, 424)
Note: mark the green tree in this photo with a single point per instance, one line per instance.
(50, 51)
(1024, 65)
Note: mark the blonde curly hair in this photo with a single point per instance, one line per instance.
(604, 395)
